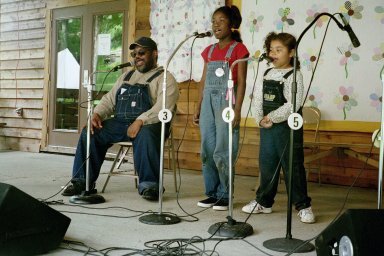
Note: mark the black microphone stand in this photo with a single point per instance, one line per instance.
(165, 116)
(287, 243)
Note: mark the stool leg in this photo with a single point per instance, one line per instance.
(117, 158)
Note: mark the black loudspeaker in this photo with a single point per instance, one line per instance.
(27, 226)
(357, 232)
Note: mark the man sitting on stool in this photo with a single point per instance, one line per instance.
(135, 101)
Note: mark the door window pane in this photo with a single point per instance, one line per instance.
(108, 48)
(68, 73)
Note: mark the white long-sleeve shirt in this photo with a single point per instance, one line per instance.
(282, 113)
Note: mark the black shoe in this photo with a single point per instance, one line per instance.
(207, 203)
(221, 205)
(75, 189)
(150, 194)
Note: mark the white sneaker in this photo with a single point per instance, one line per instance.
(306, 215)
(255, 207)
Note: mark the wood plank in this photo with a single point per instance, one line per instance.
(27, 113)
(22, 26)
(22, 93)
(22, 123)
(21, 6)
(22, 45)
(22, 64)
(186, 108)
(23, 144)
(23, 54)
(22, 74)
(143, 9)
(52, 4)
(34, 14)
(22, 35)
(21, 103)
(22, 132)
(187, 95)
(141, 33)
(336, 144)
(30, 83)
(142, 23)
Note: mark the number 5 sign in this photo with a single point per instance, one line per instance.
(295, 121)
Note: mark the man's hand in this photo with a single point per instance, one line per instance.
(134, 128)
(96, 122)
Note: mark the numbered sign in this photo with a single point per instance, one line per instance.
(228, 115)
(165, 115)
(295, 121)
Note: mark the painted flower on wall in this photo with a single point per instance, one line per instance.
(313, 13)
(379, 55)
(376, 101)
(254, 23)
(352, 9)
(253, 64)
(346, 100)
(286, 19)
(315, 97)
(347, 56)
(380, 13)
(309, 59)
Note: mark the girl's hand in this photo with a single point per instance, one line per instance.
(196, 117)
(266, 122)
(237, 119)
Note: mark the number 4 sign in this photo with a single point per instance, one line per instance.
(228, 115)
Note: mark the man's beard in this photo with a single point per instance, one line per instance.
(146, 67)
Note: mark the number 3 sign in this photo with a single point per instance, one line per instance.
(165, 115)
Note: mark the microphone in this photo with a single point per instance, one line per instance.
(264, 56)
(352, 35)
(205, 34)
(120, 66)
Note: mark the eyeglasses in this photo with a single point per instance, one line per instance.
(139, 53)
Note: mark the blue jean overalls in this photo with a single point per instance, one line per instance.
(214, 131)
(274, 145)
(131, 101)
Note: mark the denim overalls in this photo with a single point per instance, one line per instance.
(214, 131)
(274, 145)
(131, 101)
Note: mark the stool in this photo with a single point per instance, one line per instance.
(126, 150)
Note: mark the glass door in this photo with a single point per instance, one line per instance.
(87, 41)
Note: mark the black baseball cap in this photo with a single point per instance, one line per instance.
(144, 42)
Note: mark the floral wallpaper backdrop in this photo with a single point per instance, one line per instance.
(347, 83)
(172, 21)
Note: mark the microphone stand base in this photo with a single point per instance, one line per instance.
(288, 245)
(159, 219)
(236, 229)
(86, 198)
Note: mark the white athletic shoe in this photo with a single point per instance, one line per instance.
(255, 207)
(306, 215)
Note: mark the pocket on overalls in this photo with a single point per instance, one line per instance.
(129, 105)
